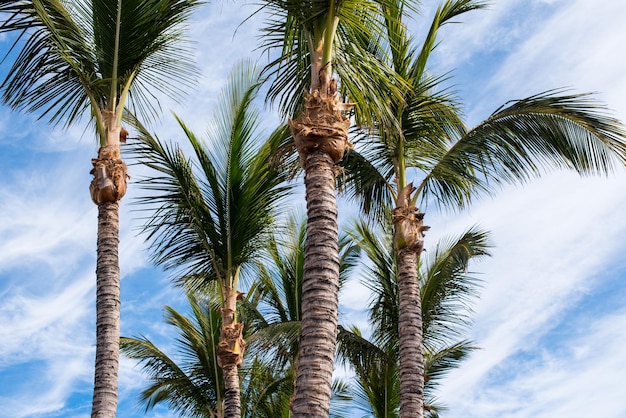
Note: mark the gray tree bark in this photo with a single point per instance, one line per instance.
(320, 288)
(104, 403)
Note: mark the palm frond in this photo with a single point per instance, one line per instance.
(296, 28)
(212, 213)
(444, 14)
(193, 385)
(448, 288)
(366, 178)
(69, 58)
(54, 71)
(376, 387)
(340, 399)
(522, 140)
(439, 362)
(266, 390)
(380, 278)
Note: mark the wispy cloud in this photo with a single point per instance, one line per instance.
(557, 241)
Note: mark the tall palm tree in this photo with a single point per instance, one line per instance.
(317, 41)
(211, 214)
(518, 141)
(77, 58)
(447, 289)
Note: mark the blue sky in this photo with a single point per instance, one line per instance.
(551, 320)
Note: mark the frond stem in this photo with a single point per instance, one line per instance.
(123, 96)
(116, 51)
(329, 35)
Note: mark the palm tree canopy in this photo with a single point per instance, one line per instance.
(80, 54)
(212, 213)
(522, 139)
(191, 385)
(339, 35)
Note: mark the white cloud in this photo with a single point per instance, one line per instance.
(556, 241)
(554, 238)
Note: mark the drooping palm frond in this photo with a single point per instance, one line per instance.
(76, 55)
(522, 140)
(212, 213)
(448, 288)
(192, 384)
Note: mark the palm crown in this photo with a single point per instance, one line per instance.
(94, 55)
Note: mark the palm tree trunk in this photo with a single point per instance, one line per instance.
(321, 136)
(408, 244)
(410, 337)
(232, 395)
(107, 312)
(107, 188)
(230, 353)
(320, 289)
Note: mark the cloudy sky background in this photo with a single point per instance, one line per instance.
(551, 320)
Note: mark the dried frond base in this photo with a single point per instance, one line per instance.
(110, 174)
(322, 125)
(231, 346)
(408, 223)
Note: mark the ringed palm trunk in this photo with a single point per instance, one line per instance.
(321, 136)
(408, 244)
(107, 189)
(230, 353)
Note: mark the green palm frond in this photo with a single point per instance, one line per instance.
(447, 11)
(54, 71)
(192, 384)
(439, 362)
(297, 28)
(448, 288)
(376, 387)
(380, 278)
(340, 399)
(523, 139)
(279, 341)
(366, 177)
(72, 56)
(266, 390)
(213, 213)
(354, 349)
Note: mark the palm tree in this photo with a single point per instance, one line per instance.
(317, 40)
(447, 289)
(210, 215)
(192, 385)
(518, 141)
(72, 58)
